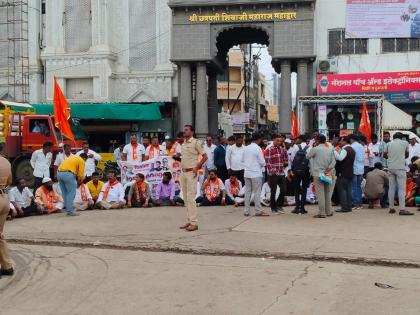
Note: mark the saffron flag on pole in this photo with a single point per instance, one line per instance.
(61, 112)
(295, 129)
(365, 127)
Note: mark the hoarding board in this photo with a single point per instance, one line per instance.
(397, 87)
(383, 19)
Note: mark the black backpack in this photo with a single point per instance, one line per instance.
(300, 164)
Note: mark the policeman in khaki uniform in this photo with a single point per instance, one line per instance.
(191, 150)
(5, 180)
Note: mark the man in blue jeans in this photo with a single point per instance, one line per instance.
(70, 170)
(358, 170)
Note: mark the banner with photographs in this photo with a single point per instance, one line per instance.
(152, 170)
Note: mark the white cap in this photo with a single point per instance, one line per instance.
(167, 137)
(46, 180)
(61, 145)
(288, 140)
(411, 137)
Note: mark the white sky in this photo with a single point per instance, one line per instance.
(266, 68)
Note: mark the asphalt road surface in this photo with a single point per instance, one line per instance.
(77, 280)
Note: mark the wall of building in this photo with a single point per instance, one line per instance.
(126, 55)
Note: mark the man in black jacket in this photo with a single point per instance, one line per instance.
(220, 159)
(334, 120)
(344, 168)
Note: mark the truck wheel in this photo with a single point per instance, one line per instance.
(23, 169)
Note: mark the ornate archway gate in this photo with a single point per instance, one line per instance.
(202, 33)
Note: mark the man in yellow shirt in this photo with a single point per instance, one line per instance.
(70, 170)
(95, 186)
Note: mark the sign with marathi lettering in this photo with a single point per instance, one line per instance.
(397, 87)
(242, 17)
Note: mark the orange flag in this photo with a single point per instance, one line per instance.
(295, 129)
(61, 112)
(365, 127)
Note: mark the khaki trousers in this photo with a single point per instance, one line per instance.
(324, 194)
(189, 191)
(81, 206)
(5, 261)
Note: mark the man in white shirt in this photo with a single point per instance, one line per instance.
(234, 158)
(22, 200)
(154, 150)
(133, 152)
(233, 191)
(118, 152)
(90, 164)
(61, 157)
(83, 199)
(209, 148)
(41, 163)
(374, 151)
(266, 194)
(254, 163)
(112, 194)
(413, 149)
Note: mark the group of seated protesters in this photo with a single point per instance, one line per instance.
(112, 194)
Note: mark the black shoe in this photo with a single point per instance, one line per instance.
(7, 272)
(343, 211)
(392, 211)
(296, 211)
(405, 212)
(303, 211)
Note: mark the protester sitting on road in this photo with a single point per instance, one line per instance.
(266, 195)
(47, 199)
(233, 191)
(95, 186)
(140, 194)
(83, 199)
(23, 200)
(165, 191)
(112, 193)
(376, 182)
(213, 189)
(410, 190)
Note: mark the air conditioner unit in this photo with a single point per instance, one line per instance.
(329, 65)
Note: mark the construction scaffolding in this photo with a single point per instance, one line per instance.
(14, 54)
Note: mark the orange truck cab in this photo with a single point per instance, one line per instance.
(22, 132)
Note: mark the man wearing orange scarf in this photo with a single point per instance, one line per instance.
(154, 150)
(140, 194)
(47, 199)
(112, 193)
(213, 191)
(83, 199)
(133, 152)
(233, 191)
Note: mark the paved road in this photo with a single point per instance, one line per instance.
(72, 280)
(362, 236)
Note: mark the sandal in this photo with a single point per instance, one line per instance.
(319, 216)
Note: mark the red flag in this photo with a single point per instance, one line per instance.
(365, 127)
(295, 129)
(61, 112)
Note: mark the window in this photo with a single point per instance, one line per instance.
(78, 25)
(339, 45)
(392, 45)
(79, 89)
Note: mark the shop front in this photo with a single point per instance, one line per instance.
(107, 125)
(401, 89)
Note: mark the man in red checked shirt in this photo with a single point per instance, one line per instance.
(276, 159)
